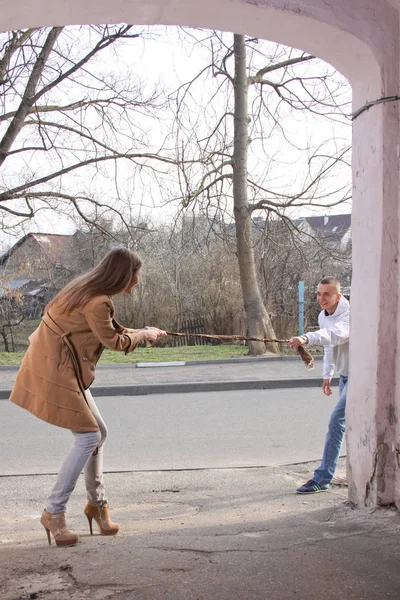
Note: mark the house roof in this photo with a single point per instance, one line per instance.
(60, 249)
(27, 286)
(15, 284)
(333, 226)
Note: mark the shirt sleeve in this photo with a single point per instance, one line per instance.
(336, 335)
(328, 368)
(99, 315)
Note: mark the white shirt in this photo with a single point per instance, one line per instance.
(333, 335)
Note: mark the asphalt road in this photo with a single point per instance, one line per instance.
(181, 431)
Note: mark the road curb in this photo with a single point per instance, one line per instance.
(187, 363)
(201, 386)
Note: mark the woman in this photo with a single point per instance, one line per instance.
(57, 370)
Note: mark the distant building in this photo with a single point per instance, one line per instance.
(333, 230)
(39, 264)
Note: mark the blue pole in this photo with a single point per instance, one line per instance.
(301, 307)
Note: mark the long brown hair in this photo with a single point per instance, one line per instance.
(111, 276)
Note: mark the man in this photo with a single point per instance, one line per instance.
(333, 335)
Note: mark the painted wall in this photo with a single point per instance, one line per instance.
(361, 39)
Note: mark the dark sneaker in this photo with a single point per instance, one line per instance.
(312, 487)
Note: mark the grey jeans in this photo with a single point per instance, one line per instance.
(81, 457)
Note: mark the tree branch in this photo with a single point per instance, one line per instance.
(257, 78)
(103, 43)
(10, 194)
(16, 42)
(43, 109)
(28, 98)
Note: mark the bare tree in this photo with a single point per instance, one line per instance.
(280, 267)
(12, 314)
(190, 272)
(259, 323)
(73, 129)
(257, 87)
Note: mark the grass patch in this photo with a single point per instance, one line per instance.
(11, 359)
(180, 353)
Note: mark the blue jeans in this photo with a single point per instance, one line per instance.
(334, 437)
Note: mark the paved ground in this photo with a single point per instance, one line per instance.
(239, 373)
(213, 534)
(180, 431)
(235, 534)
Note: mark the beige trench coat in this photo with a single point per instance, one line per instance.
(61, 359)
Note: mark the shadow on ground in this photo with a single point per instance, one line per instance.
(234, 534)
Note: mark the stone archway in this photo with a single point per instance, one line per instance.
(361, 39)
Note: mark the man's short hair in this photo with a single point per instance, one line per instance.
(331, 281)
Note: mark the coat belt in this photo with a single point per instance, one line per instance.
(55, 328)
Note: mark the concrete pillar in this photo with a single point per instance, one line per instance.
(361, 39)
(374, 403)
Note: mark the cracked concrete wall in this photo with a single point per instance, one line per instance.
(361, 39)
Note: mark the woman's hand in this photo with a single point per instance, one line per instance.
(151, 334)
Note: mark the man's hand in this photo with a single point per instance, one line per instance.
(326, 387)
(295, 342)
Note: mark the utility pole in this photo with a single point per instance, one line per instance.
(300, 297)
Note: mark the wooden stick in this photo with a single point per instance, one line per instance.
(304, 354)
(226, 337)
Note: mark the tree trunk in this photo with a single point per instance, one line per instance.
(12, 338)
(5, 339)
(258, 321)
(28, 98)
